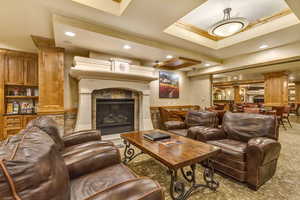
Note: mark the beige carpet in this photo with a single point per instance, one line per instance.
(284, 185)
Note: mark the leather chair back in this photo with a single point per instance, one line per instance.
(201, 118)
(244, 126)
(49, 126)
(31, 166)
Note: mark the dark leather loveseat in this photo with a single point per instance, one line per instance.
(249, 146)
(192, 118)
(37, 164)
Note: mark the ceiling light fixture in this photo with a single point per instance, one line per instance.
(126, 46)
(70, 34)
(169, 57)
(228, 26)
(206, 64)
(263, 46)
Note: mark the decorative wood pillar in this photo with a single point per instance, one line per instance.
(2, 105)
(276, 89)
(237, 96)
(297, 89)
(51, 76)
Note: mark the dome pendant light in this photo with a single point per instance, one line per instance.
(228, 26)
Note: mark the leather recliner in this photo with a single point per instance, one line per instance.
(33, 166)
(193, 118)
(250, 149)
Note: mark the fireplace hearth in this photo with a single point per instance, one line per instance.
(114, 116)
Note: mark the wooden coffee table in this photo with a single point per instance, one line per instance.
(175, 153)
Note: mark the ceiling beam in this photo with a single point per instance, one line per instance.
(295, 6)
(133, 38)
(284, 54)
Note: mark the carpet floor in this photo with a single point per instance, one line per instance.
(284, 185)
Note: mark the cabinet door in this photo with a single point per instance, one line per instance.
(14, 70)
(30, 72)
(11, 131)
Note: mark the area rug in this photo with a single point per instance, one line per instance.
(283, 186)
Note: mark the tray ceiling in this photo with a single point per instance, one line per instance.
(211, 12)
(264, 17)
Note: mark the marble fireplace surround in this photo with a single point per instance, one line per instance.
(116, 74)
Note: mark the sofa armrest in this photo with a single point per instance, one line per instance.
(139, 188)
(92, 159)
(262, 155)
(262, 150)
(82, 137)
(171, 125)
(204, 134)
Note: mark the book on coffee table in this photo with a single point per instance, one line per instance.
(155, 136)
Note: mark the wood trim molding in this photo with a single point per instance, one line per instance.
(204, 33)
(177, 63)
(236, 83)
(174, 107)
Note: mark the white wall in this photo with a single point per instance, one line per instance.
(200, 91)
(184, 92)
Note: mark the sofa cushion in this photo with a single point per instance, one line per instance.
(201, 118)
(88, 185)
(232, 149)
(245, 126)
(180, 132)
(90, 160)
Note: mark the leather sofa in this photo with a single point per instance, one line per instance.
(38, 164)
(193, 118)
(250, 149)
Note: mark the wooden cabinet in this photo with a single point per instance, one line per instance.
(15, 123)
(21, 69)
(51, 81)
(30, 72)
(17, 70)
(14, 69)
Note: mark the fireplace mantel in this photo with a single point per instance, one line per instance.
(88, 68)
(99, 74)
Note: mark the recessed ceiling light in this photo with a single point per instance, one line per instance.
(292, 78)
(126, 46)
(169, 56)
(70, 34)
(206, 64)
(263, 46)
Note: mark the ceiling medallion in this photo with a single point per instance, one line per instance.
(228, 26)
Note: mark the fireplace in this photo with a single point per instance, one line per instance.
(114, 116)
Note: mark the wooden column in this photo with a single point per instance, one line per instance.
(2, 107)
(237, 96)
(297, 88)
(276, 89)
(51, 76)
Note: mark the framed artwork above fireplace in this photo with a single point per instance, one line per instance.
(168, 84)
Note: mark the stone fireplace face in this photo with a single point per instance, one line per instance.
(115, 110)
(114, 115)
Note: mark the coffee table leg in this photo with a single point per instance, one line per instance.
(177, 188)
(129, 153)
(208, 176)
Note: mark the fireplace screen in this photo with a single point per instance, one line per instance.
(114, 115)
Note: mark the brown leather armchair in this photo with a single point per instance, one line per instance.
(32, 166)
(193, 118)
(250, 149)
